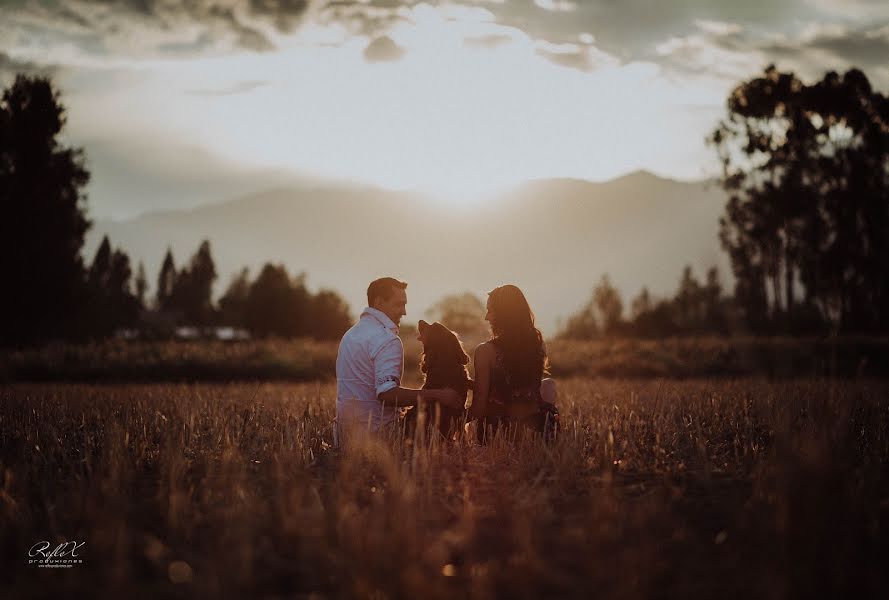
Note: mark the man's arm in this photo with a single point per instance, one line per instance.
(400, 396)
(388, 366)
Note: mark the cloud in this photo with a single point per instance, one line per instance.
(864, 47)
(556, 5)
(492, 40)
(148, 26)
(730, 51)
(238, 88)
(383, 49)
(10, 67)
(575, 56)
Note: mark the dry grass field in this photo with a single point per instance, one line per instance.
(123, 361)
(697, 489)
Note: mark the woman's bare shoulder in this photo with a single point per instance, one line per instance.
(485, 349)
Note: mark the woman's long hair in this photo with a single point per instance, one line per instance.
(514, 333)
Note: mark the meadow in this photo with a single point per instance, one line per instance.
(298, 360)
(696, 488)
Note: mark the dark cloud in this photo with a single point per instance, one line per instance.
(862, 47)
(370, 18)
(10, 67)
(732, 52)
(383, 49)
(153, 25)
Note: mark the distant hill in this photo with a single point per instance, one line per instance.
(553, 238)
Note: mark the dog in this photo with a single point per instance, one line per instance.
(444, 365)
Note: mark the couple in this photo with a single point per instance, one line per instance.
(509, 368)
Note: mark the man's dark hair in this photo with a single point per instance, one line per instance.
(383, 288)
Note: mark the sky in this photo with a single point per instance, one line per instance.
(179, 103)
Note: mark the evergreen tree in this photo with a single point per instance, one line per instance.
(141, 285)
(193, 288)
(233, 303)
(42, 228)
(166, 281)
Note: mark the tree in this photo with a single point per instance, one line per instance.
(329, 316)
(715, 319)
(807, 169)
(582, 325)
(44, 221)
(141, 285)
(463, 313)
(233, 303)
(608, 305)
(602, 314)
(166, 281)
(641, 304)
(688, 303)
(193, 288)
(112, 303)
(277, 305)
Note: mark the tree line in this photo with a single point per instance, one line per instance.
(50, 293)
(697, 308)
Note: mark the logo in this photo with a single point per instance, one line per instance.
(61, 556)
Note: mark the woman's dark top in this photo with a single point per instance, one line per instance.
(540, 416)
(502, 388)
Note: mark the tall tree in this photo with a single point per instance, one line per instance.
(44, 221)
(112, 303)
(141, 285)
(166, 281)
(277, 305)
(193, 290)
(233, 303)
(807, 169)
(609, 305)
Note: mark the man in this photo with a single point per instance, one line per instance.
(370, 363)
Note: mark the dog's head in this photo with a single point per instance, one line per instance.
(444, 359)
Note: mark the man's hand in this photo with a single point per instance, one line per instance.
(451, 398)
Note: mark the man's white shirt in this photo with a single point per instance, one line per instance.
(370, 361)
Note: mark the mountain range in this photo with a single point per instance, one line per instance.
(553, 238)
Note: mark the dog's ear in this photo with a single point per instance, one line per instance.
(422, 326)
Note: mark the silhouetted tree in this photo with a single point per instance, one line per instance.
(141, 285)
(233, 303)
(166, 281)
(688, 303)
(608, 305)
(193, 288)
(277, 305)
(582, 325)
(112, 303)
(463, 313)
(715, 307)
(43, 222)
(329, 316)
(641, 304)
(601, 315)
(807, 169)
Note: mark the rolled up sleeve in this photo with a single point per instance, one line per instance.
(388, 365)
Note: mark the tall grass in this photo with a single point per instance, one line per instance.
(739, 488)
(119, 361)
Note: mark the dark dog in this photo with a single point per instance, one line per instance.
(444, 366)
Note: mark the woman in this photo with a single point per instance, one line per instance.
(510, 386)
